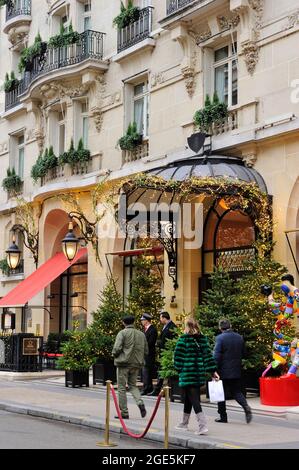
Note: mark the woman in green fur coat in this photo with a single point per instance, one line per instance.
(193, 359)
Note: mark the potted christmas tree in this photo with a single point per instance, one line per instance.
(107, 322)
(77, 358)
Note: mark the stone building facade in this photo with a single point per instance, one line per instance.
(157, 71)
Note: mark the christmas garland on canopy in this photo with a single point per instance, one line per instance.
(238, 195)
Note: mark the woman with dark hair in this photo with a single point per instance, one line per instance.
(193, 359)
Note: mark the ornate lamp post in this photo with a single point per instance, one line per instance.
(70, 244)
(13, 255)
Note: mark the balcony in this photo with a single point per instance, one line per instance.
(177, 10)
(61, 62)
(135, 36)
(18, 19)
(130, 156)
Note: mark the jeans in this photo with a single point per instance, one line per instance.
(192, 399)
(234, 386)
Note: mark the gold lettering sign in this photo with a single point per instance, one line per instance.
(30, 346)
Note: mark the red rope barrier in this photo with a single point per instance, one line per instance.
(135, 436)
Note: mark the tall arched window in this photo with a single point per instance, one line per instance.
(229, 236)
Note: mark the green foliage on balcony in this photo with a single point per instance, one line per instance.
(44, 163)
(4, 267)
(214, 112)
(12, 183)
(74, 156)
(29, 53)
(5, 2)
(131, 139)
(11, 82)
(127, 15)
(66, 37)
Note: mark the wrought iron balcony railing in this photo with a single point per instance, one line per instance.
(17, 8)
(89, 46)
(135, 32)
(174, 5)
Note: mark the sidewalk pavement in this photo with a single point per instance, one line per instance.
(47, 397)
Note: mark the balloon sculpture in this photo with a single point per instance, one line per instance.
(285, 349)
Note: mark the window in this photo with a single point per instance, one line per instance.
(141, 107)
(20, 156)
(87, 16)
(61, 133)
(85, 123)
(226, 74)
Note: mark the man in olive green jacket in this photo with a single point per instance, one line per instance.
(129, 351)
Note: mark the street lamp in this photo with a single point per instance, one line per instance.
(70, 244)
(13, 254)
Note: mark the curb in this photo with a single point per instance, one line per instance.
(156, 436)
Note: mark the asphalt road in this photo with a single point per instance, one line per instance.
(26, 432)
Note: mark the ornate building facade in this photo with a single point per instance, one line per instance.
(87, 80)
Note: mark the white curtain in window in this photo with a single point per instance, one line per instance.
(138, 114)
(221, 82)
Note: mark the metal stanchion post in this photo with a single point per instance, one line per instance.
(106, 442)
(166, 430)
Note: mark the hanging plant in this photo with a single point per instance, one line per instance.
(11, 83)
(127, 15)
(64, 38)
(12, 183)
(214, 112)
(131, 139)
(28, 54)
(43, 164)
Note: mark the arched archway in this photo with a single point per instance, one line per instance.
(67, 295)
(229, 235)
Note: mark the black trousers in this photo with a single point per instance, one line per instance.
(233, 387)
(147, 377)
(192, 399)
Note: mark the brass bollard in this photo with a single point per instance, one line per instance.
(166, 429)
(106, 442)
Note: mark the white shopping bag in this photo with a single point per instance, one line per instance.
(216, 392)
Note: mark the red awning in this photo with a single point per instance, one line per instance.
(39, 279)
(139, 251)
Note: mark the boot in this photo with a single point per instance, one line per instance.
(248, 414)
(184, 423)
(202, 423)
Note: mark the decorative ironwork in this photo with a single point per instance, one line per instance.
(173, 5)
(17, 8)
(235, 259)
(12, 98)
(135, 32)
(89, 46)
(88, 230)
(30, 240)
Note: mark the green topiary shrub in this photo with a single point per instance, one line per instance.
(29, 53)
(127, 15)
(12, 183)
(43, 164)
(214, 112)
(64, 38)
(131, 139)
(11, 83)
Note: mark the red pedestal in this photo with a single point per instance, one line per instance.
(279, 391)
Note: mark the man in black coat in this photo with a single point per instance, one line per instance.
(228, 353)
(151, 335)
(166, 333)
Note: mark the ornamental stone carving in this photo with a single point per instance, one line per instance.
(251, 54)
(257, 7)
(157, 79)
(292, 20)
(3, 147)
(96, 109)
(200, 36)
(228, 22)
(250, 159)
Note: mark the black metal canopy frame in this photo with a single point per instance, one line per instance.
(296, 230)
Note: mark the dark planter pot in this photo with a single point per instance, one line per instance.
(104, 371)
(175, 391)
(250, 380)
(77, 378)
